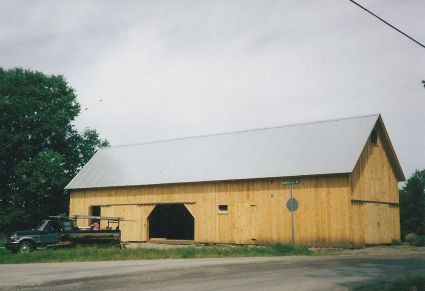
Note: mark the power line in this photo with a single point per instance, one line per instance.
(387, 23)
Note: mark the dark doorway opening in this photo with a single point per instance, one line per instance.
(171, 221)
(94, 211)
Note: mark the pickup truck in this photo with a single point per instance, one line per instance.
(58, 233)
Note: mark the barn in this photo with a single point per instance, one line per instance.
(325, 183)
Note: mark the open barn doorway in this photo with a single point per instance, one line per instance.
(172, 222)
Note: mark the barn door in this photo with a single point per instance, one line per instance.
(245, 223)
(358, 223)
(171, 221)
(372, 223)
(382, 224)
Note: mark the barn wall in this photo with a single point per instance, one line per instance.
(375, 213)
(257, 209)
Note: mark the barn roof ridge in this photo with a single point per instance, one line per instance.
(242, 131)
(333, 146)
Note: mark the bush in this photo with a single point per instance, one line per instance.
(419, 241)
(410, 237)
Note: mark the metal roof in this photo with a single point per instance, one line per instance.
(323, 147)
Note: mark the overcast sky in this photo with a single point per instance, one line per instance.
(167, 69)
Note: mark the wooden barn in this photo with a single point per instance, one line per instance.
(236, 187)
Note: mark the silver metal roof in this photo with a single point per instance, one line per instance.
(324, 147)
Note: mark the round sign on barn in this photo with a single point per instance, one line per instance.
(292, 204)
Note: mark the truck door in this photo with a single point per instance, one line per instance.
(50, 233)
(66, 231)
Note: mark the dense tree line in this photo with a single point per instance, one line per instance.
(412, 204)
(40, 150)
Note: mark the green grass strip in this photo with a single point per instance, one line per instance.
(82, 254)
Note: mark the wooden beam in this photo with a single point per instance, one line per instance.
(140, 204)
(372, 201)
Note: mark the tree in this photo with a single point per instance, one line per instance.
(40, 150)
(412, 204)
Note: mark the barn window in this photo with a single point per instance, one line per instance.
(374, 137)
(222, 208)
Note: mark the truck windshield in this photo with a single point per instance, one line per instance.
(40, 225)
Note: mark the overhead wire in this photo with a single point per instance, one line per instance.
(387, 23)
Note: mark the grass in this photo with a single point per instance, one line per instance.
(81, 254)
(419, 241)
(408, 283)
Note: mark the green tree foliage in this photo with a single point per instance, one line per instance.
(40, 151)
(412, 204)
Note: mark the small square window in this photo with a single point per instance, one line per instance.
(222, 208)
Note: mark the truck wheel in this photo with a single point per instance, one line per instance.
(25, 247)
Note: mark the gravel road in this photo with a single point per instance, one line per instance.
(273, 273)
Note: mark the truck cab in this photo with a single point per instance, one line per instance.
(47, 232)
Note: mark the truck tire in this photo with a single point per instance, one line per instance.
(25, 247)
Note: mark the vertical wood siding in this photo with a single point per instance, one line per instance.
(373, 179)
(256, 214)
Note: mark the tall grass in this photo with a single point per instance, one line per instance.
(80, 254)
